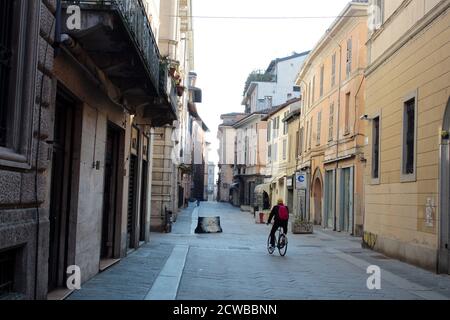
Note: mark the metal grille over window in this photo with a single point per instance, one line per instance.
(6, 22)
(376, 148)
(410, 134)
(6, 272)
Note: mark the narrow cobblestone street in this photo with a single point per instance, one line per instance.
(235, 265)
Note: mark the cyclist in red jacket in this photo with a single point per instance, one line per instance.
(281, 214)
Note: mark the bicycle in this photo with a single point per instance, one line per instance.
(282, 243)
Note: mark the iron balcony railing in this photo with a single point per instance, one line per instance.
(135, 18)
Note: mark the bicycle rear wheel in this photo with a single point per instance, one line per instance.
(270, 249)
(282, 244)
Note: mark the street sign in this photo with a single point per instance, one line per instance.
(289, 182)
(301, 181)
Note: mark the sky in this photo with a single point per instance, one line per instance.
(227, 50)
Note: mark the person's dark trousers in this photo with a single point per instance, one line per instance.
(276, 225)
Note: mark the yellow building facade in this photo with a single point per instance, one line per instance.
(407, 105)
(330, 132)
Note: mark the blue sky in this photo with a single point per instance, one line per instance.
(227, 50)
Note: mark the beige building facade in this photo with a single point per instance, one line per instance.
(279, 144)
(330, 132)
(407, 103)
(227, 138)
(250, 158)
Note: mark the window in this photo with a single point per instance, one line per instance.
(376, 148)
(349, 56)
(275, 152)
(310, 133)
(333, 70)
(300, 145)
(322, 73)
(285, 124)
(269, 153)
(290, 147)
(18, 64)
(276, 127)
(347, 113)
(309, 94)
(305, 97)
(331, 123)
(284, 149)
(269, 131)
(269, 101)
(409, 138)
(377, 14)
(7, 261)
(246, 151)
(319, 127)
(296, 89)
(314, 90)
(6, 25)
(307, 135)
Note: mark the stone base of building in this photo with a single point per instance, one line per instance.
(18, 238)
(158, 227)
(422, 257)
(359, 230)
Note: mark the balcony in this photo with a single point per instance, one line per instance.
(168, 100)
(117, 36)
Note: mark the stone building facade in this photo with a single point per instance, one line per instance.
(26, 130)
(76, 139)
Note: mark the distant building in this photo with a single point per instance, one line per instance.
(279, 144)
(211, 181)
(275, 86)
(226, 136)
(250, 158)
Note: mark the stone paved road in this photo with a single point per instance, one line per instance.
(235, 265)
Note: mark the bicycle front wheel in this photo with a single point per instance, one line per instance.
(270, 249)
(282, 244)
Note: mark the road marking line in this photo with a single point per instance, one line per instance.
(393, 279)
(167, 284)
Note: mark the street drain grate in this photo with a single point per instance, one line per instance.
(326, 240)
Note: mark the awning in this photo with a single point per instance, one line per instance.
(262, 188)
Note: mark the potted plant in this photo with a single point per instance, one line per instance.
(180, 87)
(301, 226)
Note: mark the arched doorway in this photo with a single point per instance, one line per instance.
(444, 233)
(317, 196)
